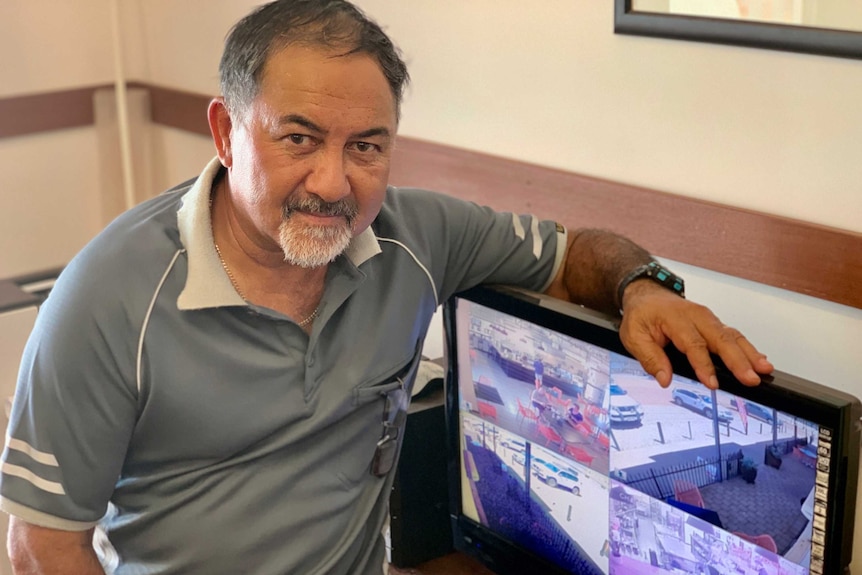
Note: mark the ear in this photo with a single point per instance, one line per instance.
(220, 128)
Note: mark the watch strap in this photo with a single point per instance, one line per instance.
(657, 273)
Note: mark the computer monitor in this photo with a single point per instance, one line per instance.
(566, 457)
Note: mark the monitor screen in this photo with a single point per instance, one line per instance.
(568, 458)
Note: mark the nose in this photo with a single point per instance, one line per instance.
(327, 178)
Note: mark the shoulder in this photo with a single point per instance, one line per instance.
(141, 235)
(121, 264)
(424, 215)
(408, 205)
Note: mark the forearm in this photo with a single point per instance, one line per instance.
(596, 261)
(36, 550)
(84, 563)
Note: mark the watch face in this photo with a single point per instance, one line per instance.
(667, 278)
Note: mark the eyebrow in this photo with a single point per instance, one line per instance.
(306, 123)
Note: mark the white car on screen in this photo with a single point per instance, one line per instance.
(623, 410)
(556, 477)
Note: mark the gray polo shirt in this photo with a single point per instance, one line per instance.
(206, 435)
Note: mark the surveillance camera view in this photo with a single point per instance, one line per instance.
(575, 453)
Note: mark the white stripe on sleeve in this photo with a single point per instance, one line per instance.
(518, 227)
(35, 454)
(27, 475)
(537, 237)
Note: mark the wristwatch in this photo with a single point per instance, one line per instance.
(657, 273)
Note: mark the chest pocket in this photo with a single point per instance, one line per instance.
(374, 419)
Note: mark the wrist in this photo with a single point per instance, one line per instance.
(657, 274)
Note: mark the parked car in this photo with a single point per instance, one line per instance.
(518, 457)
(623, 409)
(754, 410)
(701, 403)
(514, 445)
(556, 477)
(758, 411)
(535, 463)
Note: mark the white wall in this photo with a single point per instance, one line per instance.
(179, 43)
(48, 45)
(50, 202)
(178, 156)
(551, 83)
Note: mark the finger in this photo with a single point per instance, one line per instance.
(689, 341)
(650, 354)
(758, 360)
(737, 353)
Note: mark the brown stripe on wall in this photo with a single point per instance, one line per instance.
(33, 113)
(798, 256)
(178, 109)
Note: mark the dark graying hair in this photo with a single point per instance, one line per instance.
(332, 24)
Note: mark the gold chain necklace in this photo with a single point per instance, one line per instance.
(310, 318)
(233, 282)
(227, 271)
(232, 279)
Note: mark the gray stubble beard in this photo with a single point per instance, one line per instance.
(312, 247)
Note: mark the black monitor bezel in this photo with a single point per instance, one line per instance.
(817, 403)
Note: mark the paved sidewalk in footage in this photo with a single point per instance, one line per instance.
(772, 504)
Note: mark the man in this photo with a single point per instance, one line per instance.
(538, 370)
(211, 376)
(575, 415)
(540, 399)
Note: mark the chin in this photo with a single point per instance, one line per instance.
(313, 247)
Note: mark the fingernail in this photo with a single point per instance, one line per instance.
(752, 375)
(661, 377)
(713, 382)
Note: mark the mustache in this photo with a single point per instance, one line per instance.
(346, 208)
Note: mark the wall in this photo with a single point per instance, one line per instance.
(157, 32)
(765, 130)
(49, 203)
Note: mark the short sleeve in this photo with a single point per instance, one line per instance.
(471, 244)
(74, 409)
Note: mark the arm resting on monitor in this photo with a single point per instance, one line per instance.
(597, 261)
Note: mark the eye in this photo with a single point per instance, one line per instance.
(365, 147)
(299, 139)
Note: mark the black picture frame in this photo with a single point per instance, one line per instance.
(820, 41)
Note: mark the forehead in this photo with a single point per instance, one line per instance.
(312, 80)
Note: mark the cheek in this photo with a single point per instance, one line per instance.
(370, 189)
(369, 201)
(268, 185)
(258, 167)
